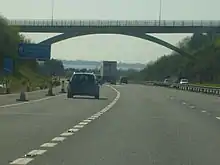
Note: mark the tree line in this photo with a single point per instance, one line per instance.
(9, 41)
(204, 67)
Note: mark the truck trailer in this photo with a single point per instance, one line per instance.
(108, 71)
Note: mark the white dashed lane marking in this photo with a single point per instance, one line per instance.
(91, 118)
(27, 159)
(48, 144)
(96, 116)
(87, 121)
(34, 153)
(218, 118)
(78, 126)
(66, 134)
(73, 130)
(203, 111)
(22, 161)
(192, 107)
(59, 139)
(184, 103)
(103, 111)
(83, 123)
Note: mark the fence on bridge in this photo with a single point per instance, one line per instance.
(173, 23)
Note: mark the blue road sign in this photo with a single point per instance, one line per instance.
(34, 51)
(8, 65)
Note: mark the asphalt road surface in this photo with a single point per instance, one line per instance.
(130, 124)
(39, 94)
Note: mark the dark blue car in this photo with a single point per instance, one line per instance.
(84, 84)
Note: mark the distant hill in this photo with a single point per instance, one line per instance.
(96, 64)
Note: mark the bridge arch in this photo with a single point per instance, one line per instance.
(64, 36)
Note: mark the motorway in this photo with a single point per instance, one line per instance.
(6, 99)
(130, 124)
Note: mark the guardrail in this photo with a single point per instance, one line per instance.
(187, 87)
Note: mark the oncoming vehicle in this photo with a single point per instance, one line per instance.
(184, 81)
(84, 84)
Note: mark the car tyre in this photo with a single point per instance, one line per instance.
(69, 95)
(97, 97)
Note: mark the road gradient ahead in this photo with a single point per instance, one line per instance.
(133, 124)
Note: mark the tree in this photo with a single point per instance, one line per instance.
(204, 68)
(9, 40)
(52, 67)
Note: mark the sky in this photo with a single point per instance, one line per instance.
(110, 47)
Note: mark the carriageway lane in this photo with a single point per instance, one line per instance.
(34, 95)
(25, 127)
(202, 102)
(145, 126)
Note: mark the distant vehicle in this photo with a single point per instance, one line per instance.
(184, 81)
(84, 84)
(99, 80)
(123, 80)
(166, 81)
(108, 71)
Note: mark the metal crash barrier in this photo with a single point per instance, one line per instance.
(187, 87)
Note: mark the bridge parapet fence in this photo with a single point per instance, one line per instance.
(173, 23)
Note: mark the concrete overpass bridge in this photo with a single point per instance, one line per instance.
(135, 28)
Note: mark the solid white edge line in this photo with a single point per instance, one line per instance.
(30, 102)
(14, 94)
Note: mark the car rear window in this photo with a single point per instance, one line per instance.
(83, 78)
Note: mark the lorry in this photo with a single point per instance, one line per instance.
(108, 71)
